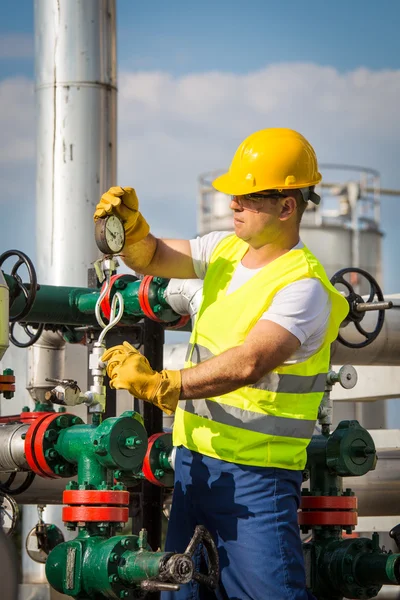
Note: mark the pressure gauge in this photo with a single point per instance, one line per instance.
(9, 514)
(109, 234)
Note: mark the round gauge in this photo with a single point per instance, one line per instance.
(9, 513)
(110, 234)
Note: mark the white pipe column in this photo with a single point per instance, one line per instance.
(76, 131)
(75, 62)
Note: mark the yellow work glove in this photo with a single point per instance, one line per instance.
(124, 203)
(129, 370)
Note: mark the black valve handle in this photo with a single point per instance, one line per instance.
(29, 290)
(358, 306)
(179, 568)
(395, 535)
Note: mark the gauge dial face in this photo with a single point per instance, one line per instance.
(110, 234)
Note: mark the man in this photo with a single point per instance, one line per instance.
(246, 403)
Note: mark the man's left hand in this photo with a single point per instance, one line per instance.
(129, 370)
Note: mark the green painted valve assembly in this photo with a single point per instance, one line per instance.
(106, 456)
(75, 306)
(92, 566)
(353, 567)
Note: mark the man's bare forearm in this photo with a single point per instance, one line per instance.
(220, 375)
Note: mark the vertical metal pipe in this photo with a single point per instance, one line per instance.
(75, 64)
(76, 131)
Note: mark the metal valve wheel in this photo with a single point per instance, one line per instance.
(29, 291)
(179, 568)
(358, 306)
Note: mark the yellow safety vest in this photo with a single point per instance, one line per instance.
(269, 423)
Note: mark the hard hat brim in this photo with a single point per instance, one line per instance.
(226, 184)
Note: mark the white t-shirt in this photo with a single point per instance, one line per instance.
(302, 307)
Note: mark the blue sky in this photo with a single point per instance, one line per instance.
(235, 36)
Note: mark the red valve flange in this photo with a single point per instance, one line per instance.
(157, 443)
(180, 323)
(340, 518)
(95, 506)
(39, 444)
(105, 304)
(329, 502)
(328, 510)
(75, 514)
(30, 447)
(7, 383)
(87, 497)
(143, 297)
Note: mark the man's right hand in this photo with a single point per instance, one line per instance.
(124, 203)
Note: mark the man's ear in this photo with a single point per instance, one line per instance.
(288, 208)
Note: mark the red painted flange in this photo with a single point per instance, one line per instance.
(329, 502)
(113, 497)
(143, 297)
(24, 417)
(7, 387)
(30, 446)
(180, 323)
(146, 467)
(7, 383)
(30, 417)
(106, 302)
(7, 378)
(35, 442)
(341, 518)
(39, 444)
(74, 514)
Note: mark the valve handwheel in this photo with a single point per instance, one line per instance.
(359, 306)
(30, 292)
(181, 568)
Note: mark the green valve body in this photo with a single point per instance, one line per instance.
(338, 568)
(92, 566)
(98, 451)
(349, 568)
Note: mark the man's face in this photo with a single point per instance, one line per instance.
(256, 217)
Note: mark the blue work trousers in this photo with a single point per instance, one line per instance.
(251, 513)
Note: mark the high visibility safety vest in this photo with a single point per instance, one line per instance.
(269, 423)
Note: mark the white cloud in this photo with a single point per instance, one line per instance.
(172, 129)
(16, 45)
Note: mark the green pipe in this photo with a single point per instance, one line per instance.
(60, 305)
(75, 445)
(137, 566)
(91, 566)
(378, 569)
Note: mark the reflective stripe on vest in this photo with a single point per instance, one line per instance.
(271, 382)
(249, 420)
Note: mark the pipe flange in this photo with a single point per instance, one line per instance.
(95, 514)
(156, 464)
(143, 297)
(40, 440)
(105, 305)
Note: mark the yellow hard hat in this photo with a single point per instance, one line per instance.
(270, 159)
